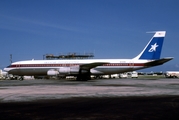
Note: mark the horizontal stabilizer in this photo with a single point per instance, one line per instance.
(158, 62)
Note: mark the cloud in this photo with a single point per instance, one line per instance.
(28, 25)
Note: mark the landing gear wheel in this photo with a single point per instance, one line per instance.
(21, 78)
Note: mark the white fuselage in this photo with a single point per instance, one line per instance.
(150, 56)
(41, 67)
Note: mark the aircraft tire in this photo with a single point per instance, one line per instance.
(21, 78)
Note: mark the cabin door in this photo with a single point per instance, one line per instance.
(18, 66)
(131, 64)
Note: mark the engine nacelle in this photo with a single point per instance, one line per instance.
(69, 70)
(52, 72)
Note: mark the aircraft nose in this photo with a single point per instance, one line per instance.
(6, 69)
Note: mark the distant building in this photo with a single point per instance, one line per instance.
(69, 56)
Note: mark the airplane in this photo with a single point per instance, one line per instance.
(83, 69)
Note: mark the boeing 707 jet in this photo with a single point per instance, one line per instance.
(83, 69)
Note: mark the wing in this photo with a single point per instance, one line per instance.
(91, 65)
(158, 62)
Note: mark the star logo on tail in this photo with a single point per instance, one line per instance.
(153, 47)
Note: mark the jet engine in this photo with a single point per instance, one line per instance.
(69, 70)
(66, 71)
(52, 72)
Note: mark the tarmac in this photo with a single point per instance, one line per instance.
(89, 100)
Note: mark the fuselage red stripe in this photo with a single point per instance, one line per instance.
(68, 65)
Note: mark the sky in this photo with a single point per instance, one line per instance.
(110, 29)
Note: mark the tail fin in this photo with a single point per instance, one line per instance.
(153, 49)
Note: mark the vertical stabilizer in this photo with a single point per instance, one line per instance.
(152, 50)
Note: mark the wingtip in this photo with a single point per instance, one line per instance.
(169, 58)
